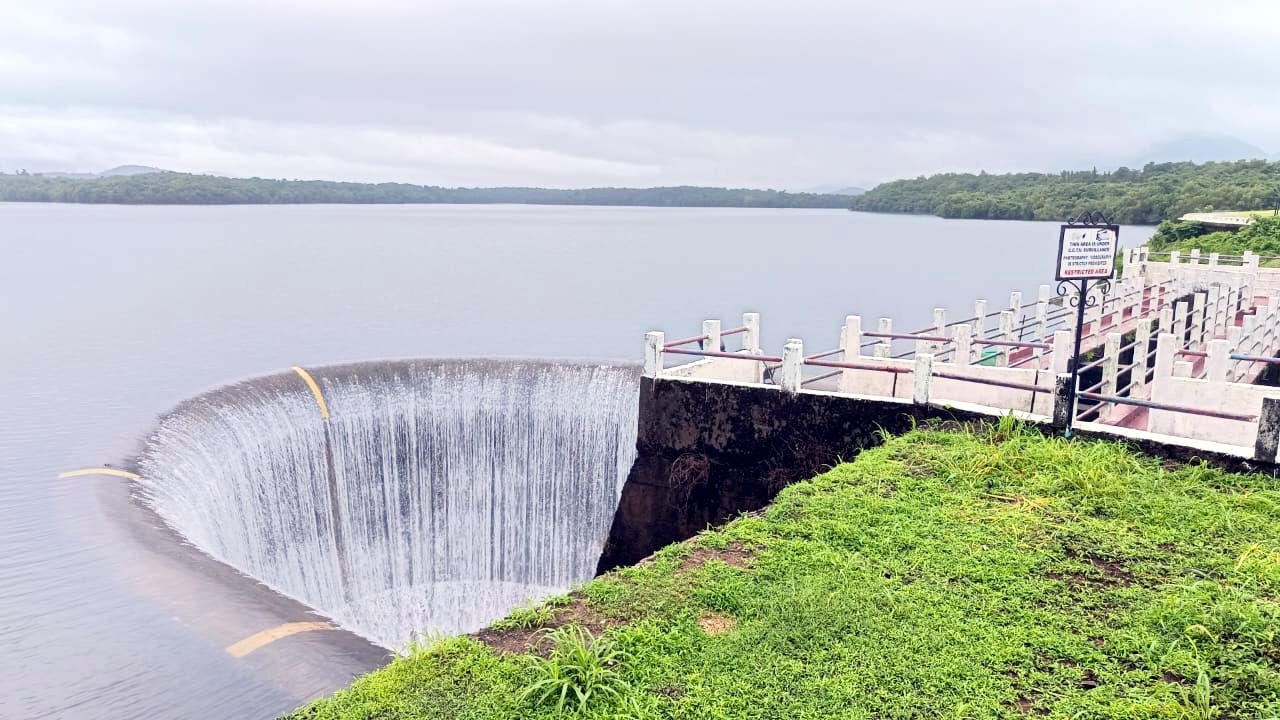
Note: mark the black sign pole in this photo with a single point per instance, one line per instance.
(1081, 300)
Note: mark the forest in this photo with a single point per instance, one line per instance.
(171, 188)
(1147, 196)
(1262, 236)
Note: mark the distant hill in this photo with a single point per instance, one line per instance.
(1156, 192)
(129, 170)
(135, 185)
(122, 170)
(836, 190)
(1200, 149)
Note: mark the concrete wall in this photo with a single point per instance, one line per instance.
(708, 451)
(725, 369)
(1225, 397)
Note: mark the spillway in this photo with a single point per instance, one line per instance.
(437, 496)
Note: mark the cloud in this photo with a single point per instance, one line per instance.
(578, 92)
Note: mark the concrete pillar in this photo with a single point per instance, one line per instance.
(1141, 358)
(1063, 350)
(1006, 333)
(1182, 369)
(1167, 346)
(1235, 335)
(1166, 319)
(980, 318)
(923, 379)
(1219, 357)
(1267, 444)
(1195, 257)
(851, 337)
(1110, 371)
(792, 364)
(653, 342)
(1199, 301)
(751, 338)
(1180, 312)
(964, 346)
(1062, 397)
(1213, 259)
(1215, 325)
(1044, 293)
(885, 348)
(711, 329)
(1175, 257)
(1015, 301)
(1042, 326)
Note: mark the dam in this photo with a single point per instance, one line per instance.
(402, 498)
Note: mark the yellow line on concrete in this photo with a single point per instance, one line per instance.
(266, 637)
(98, 471)
(315, 390)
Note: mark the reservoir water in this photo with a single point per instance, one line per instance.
(113, 316)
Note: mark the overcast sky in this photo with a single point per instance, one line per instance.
(785, 93)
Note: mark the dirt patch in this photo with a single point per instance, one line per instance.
(734, 555)
(1030, 705)
(717, 624)
(1113, 571)
(524, 640)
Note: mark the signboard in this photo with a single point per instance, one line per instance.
(1087, 252)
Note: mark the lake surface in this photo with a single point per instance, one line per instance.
(112, 315)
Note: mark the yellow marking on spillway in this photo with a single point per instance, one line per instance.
(98, 471)
(315, 390)
(266, 637)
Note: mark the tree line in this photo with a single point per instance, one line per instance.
(1157, 192)
(170, 188)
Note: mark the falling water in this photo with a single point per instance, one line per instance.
(438, 496)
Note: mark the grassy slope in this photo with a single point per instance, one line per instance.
(946, 574)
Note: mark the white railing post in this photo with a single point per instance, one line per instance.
(884, 348)
(1213, 259)
(653, 342)
(851, 337)
(964, 346)
(1006, 333)
(711, 333)
(1235, 336)
(1175, 257)
(923, 377)
(1180, 322)
(1167, 346)
(1166, 319)
(792, 364)
(980, 318)
(939, 329)
(1110, 372)
(1219, 357)
(1063, 349)
(1195, 256)
(1141, 358)
(751, 338)
(1198, 302)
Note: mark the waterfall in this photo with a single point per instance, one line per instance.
(438, 496)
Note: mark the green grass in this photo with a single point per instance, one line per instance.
(989, 574)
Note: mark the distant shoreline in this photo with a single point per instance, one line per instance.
(166, 188)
